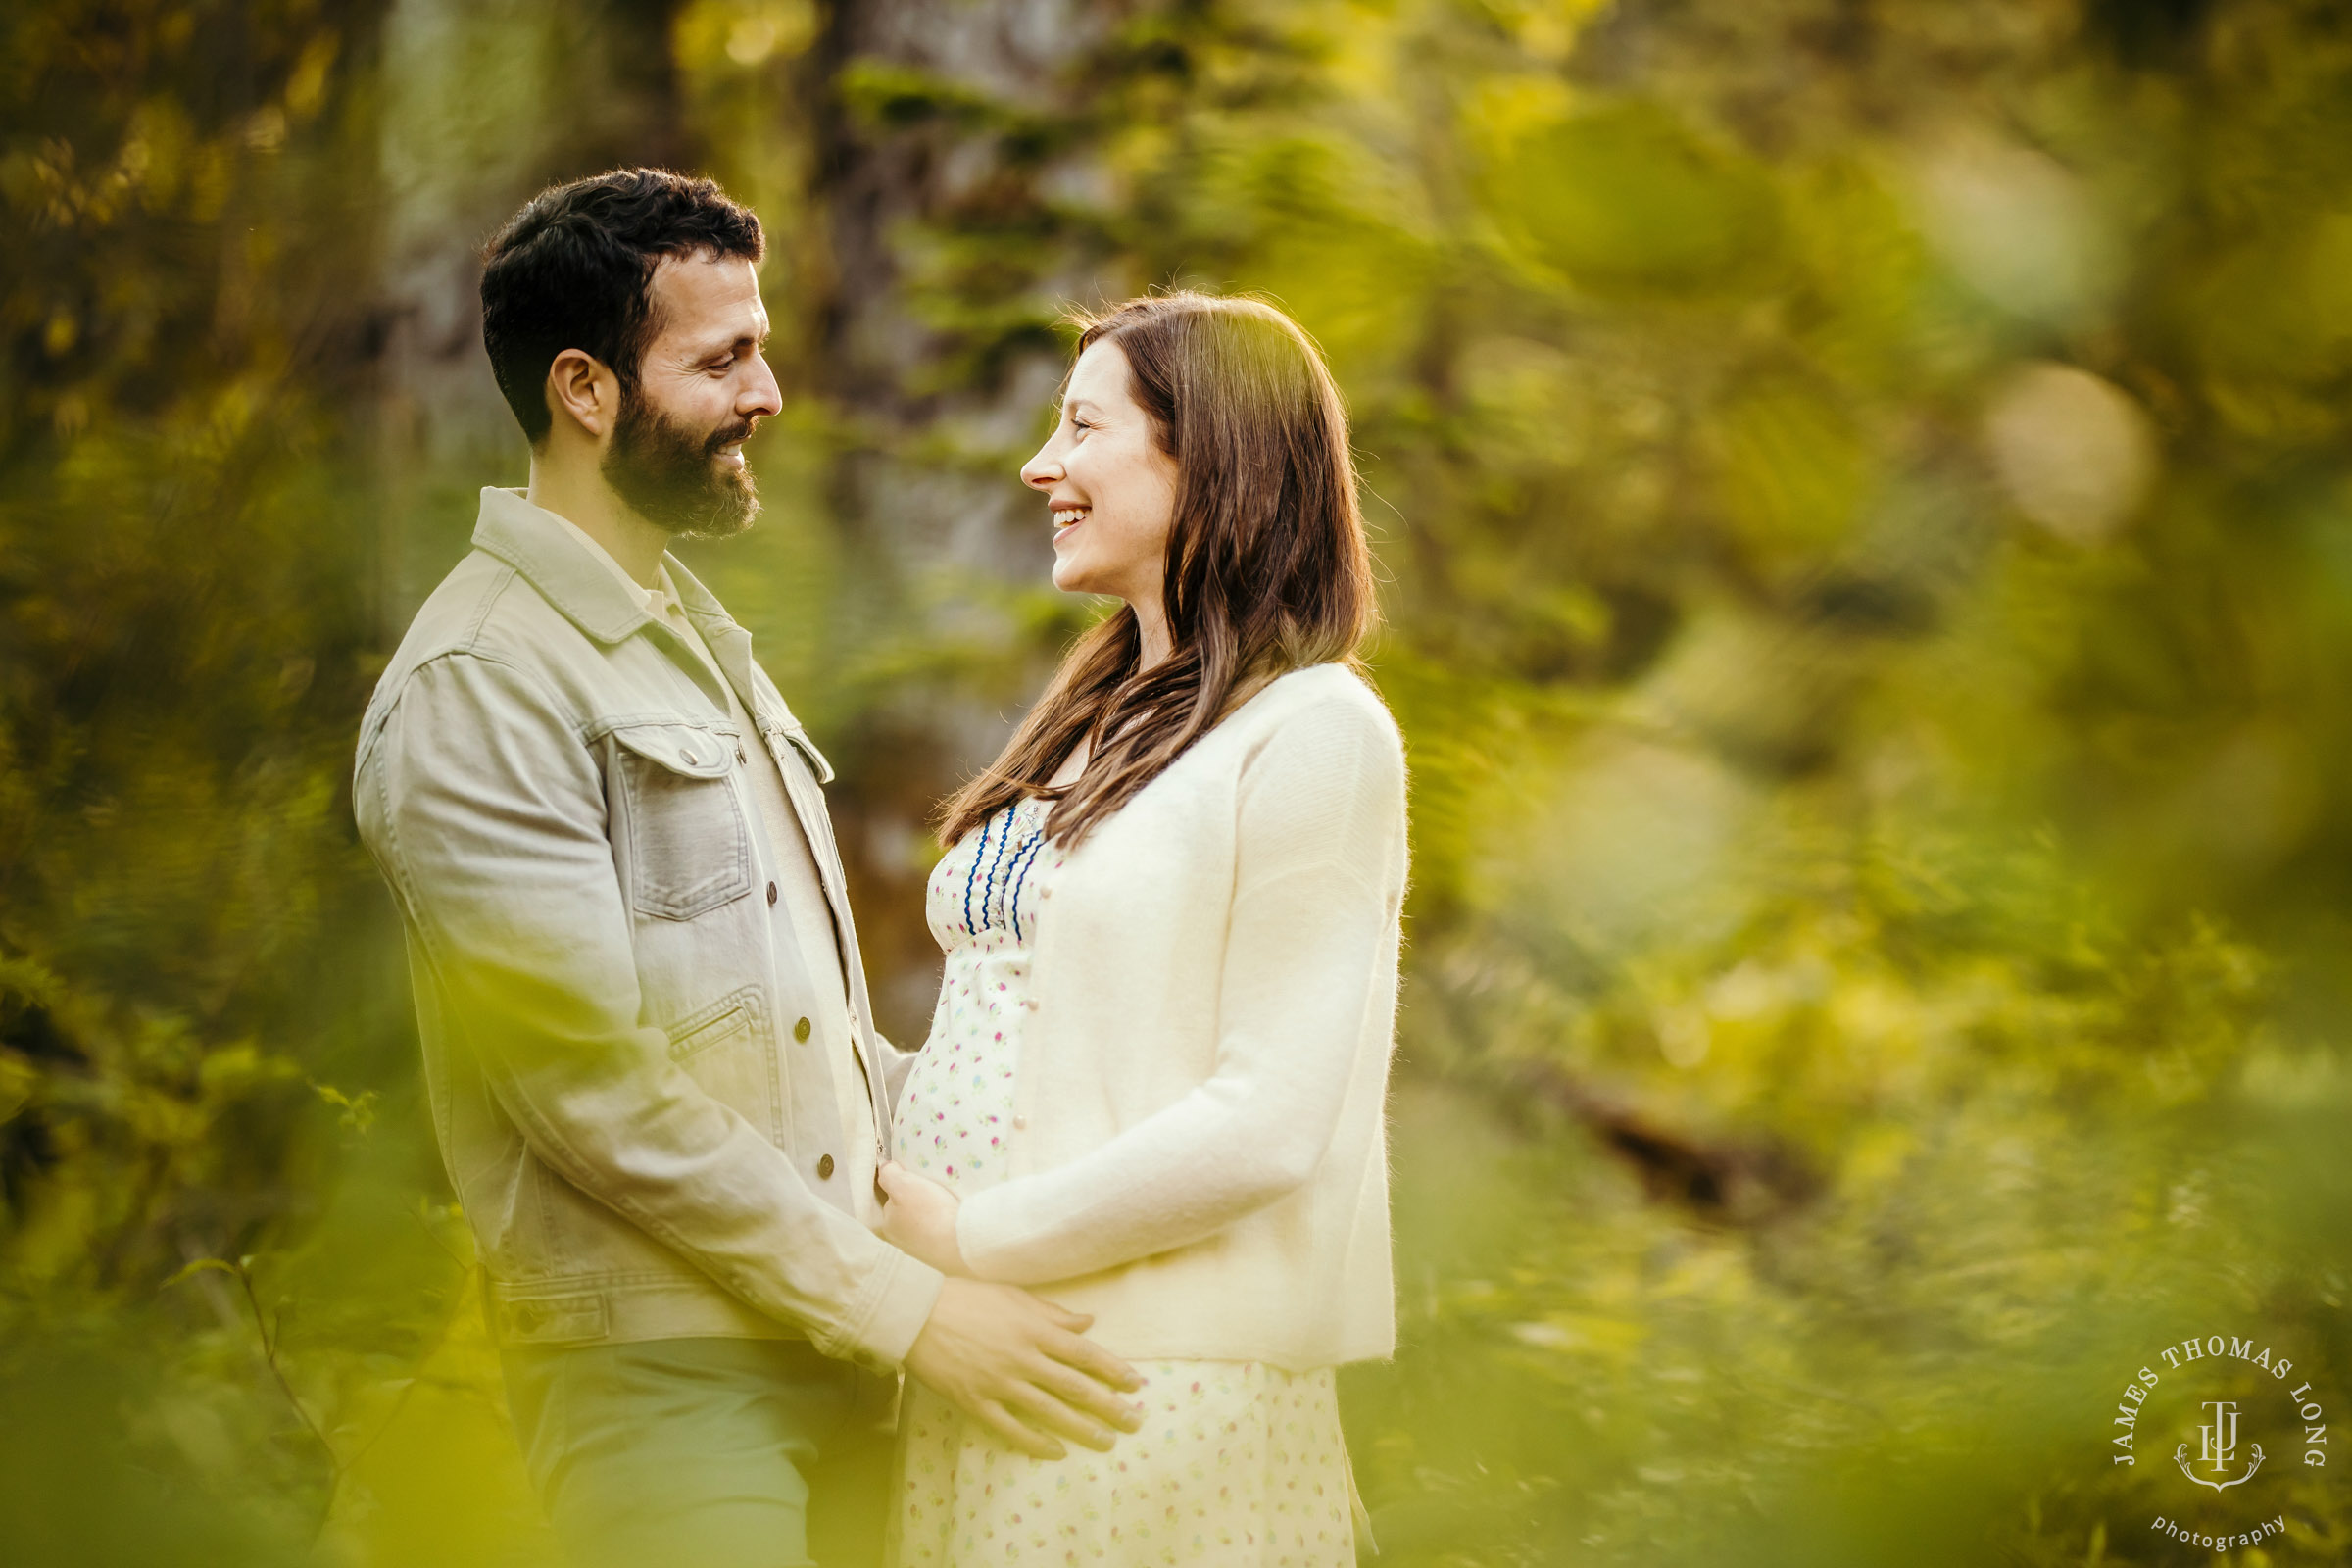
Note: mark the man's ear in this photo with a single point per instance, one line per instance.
(581, 388)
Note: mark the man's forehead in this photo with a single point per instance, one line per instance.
(701, 294)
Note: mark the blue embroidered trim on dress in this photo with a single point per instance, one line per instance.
(999, 872)
(1031, 847)
(989, 889)
(971, 872)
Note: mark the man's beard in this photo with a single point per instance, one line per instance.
(674, 478)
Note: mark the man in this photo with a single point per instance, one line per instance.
(651, 1062)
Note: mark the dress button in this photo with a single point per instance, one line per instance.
(1020, 1124)
(825, 1168)
(800, 1031)
(771, 895)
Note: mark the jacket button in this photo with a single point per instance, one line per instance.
(771, 895)
(739, 757)
(825, 1168)
(688, 758)
(800, 1031)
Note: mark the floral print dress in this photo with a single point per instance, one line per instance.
(1237, 1463)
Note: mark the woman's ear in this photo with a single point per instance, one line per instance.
(582, 389)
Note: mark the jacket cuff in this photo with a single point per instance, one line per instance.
(894, 1304)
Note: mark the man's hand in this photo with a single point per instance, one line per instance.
(918, 1218)
(1017, 1366)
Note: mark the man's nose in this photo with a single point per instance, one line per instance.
(762, 397)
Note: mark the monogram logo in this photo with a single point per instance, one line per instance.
(2243, 1390)
(2219, 1449)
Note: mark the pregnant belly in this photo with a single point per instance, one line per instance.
(955, 1116)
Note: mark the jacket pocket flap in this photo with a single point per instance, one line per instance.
(552, 1319)
(680, 748)
(724, 1019)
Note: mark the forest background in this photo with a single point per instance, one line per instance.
(1866, 522)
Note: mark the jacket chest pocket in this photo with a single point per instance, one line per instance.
(689, 847)
(724, 1048)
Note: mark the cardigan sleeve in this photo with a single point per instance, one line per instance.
(1309, 954)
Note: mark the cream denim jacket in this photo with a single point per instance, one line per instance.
(606, 990)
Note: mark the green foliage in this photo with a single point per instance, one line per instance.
(190, 956)
(1868, 556)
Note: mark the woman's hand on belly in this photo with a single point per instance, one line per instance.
(918, 1218)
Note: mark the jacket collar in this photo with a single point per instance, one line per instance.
(729, 644)
(536, 544)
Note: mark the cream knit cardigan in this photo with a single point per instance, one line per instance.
(1198, 1155)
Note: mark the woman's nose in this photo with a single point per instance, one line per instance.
(1041, 473)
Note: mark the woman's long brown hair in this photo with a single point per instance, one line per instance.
(1268, 569)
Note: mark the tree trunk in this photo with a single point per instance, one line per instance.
(936, 222)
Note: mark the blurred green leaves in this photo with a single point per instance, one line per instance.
(1628, 203)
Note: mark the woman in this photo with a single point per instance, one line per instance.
(1155, 1082)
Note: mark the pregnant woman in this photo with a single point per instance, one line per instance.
(1154, 1086)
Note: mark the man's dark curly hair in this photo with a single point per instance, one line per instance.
(575, 269)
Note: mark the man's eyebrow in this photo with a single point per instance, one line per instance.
(738, 341)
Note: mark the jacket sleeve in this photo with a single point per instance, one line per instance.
(1311, 945)
(487, 815)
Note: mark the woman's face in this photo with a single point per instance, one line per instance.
(1112, 489)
